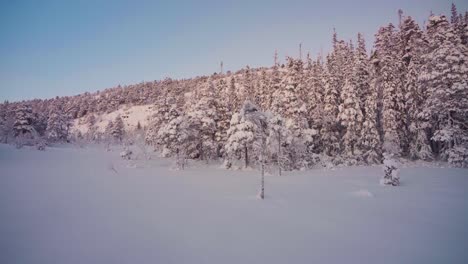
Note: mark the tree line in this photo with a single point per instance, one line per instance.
(407, 97)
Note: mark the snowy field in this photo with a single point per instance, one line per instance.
(68, 205)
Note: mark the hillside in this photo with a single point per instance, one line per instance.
(407, 99)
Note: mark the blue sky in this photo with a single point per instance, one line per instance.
(50, 48)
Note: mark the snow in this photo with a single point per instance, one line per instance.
(131, 115)
(70, 205)
(363, 193)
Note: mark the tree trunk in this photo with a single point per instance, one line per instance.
(262, 190)
(246, 156)
(279, 154)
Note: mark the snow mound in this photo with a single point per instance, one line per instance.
(362, 193)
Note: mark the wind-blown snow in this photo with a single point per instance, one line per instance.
(69, 205)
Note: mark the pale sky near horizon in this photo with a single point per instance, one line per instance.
(57, 48)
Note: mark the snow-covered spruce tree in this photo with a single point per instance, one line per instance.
(241, 135)
(223, 116)
(58, 125)
(412, 45)
(370, 139)
(392, 89)
(40, 122)
(279, 142)
(340, 63)
(165, 109)
(118, 129)
(108, 133)
(24, 131)
(247, 91)
(360, 77)
(177, 139)
(350, 117)
(274, 83)
(7, 119)
(202, 116)
(263, 91)
(233, 103)
(289, 104)
(287, 101)
(90, 120)
(314, 97)
(445, 73)
(459, 25)
(329, 130)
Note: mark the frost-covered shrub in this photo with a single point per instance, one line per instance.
(126, 154)
(391, 172)
(458, 156)
(41, 145)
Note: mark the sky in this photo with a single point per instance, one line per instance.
(64, 47)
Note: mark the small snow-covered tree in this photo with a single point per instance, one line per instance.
(118, 129)
(391, 172)
(108, 133)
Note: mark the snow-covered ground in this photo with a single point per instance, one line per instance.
(68, 205)
(131, 116)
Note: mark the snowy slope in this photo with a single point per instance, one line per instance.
(68, 205)
(131, 115)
